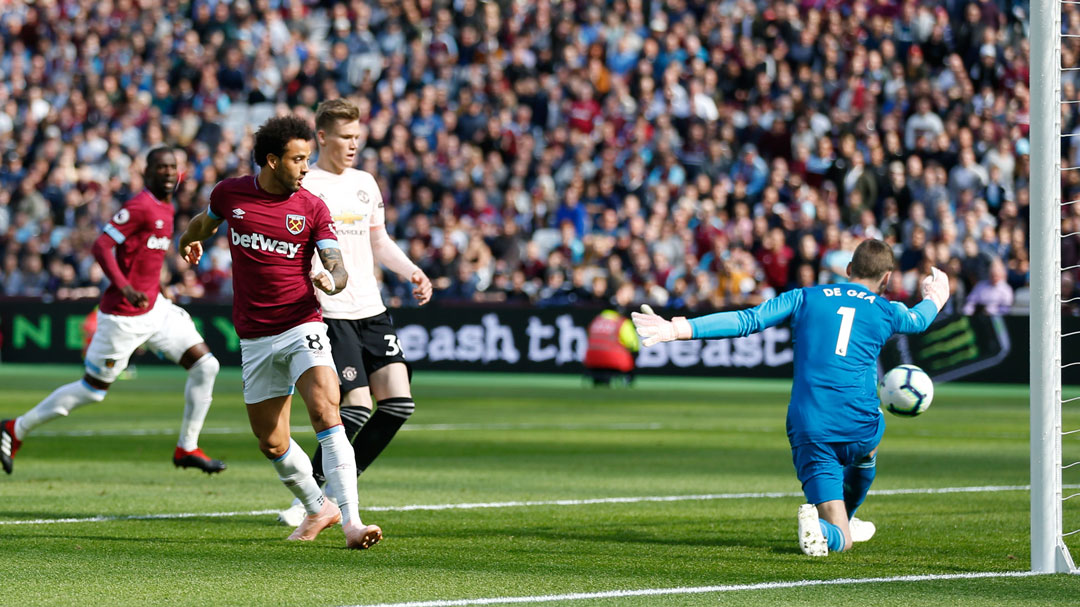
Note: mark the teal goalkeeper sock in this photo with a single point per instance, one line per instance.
(857, 481)
(833, 536)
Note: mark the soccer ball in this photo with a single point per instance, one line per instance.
(906, 390)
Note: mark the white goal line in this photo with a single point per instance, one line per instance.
(614, 594)
(525, 504)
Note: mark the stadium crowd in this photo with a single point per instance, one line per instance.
(689, 153)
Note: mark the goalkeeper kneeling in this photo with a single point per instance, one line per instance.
(834, 418)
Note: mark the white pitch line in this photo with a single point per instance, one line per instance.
(681, 498)
(615, 594)
(138, 517)
(702, 589)
(530, 504)
(308, 430)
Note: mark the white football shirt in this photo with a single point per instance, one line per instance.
(356, 205)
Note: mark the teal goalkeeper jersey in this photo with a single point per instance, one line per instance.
(838, 331)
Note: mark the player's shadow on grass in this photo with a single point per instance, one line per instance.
(613, 534)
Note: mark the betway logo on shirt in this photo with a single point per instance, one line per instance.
(258, 242)
(160, 243)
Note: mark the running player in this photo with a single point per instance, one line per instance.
(131, 252)
(275, 227)
(834, 421)
(366, 349)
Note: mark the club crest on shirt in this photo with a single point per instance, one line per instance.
(295, 223)
(159, 224)
(362, 196)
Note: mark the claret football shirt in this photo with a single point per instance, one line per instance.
(143, 231)
(272, 238)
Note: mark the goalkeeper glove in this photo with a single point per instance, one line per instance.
(655, 329)
(935, 287)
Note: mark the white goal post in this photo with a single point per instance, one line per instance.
(1048, 551)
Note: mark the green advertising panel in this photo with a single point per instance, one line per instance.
(553, 340)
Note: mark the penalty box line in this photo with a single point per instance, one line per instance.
(614, 594)
(524, 504)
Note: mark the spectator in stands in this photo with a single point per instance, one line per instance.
(707, 129)
(993, 296)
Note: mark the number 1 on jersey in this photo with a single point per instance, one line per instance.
(847, 319)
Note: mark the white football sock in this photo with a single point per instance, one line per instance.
(294, 469)
(197, 395)
(62, 401)
(339, 467)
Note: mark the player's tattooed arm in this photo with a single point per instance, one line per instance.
(335, 267)
(201, 227)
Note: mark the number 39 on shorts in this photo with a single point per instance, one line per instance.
(393, 346)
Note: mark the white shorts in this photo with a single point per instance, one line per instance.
(272, 364)
(166, 330)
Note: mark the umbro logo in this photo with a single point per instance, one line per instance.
(238, 213)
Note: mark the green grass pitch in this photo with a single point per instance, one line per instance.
(532, 466)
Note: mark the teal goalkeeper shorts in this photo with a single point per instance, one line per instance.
(820, 467)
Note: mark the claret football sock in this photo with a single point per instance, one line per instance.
(857, 481)
(833, 536)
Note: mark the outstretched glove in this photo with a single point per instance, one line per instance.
(655, 329)
(935, 287)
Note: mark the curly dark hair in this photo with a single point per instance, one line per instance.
(276, 133)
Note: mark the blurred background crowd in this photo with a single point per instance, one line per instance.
(694, 154)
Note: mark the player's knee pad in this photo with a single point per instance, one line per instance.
(205, 369)
(398, 406)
